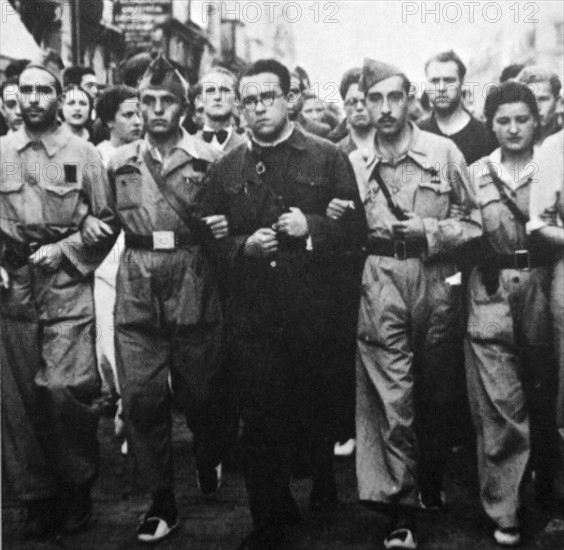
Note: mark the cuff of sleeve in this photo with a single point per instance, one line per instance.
(85, 261)
(534, 224)
(309, 243)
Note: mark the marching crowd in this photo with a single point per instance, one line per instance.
(301, 284)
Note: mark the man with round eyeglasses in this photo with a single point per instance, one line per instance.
(281, 253)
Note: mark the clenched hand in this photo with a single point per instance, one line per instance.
(262, 243)
(218, 225)
(293, 223)
(94, 230)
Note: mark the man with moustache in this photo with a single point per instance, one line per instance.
(280, 251)
(168, 319)
(218, 101)
(9, 105)
(50, 385)
(420, 209)
(445, 74)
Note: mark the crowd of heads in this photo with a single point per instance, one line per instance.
(76, 98)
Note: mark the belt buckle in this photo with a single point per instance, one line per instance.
(400, 250)
(522, 260)
(163, 240)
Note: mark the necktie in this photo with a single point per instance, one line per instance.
(221, 136)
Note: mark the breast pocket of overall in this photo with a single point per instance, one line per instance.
(12, 201)
(433, 196)
(128, 188)
(60, 202)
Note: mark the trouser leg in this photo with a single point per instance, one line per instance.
(202, 386)
(26, 472)
(265, 386)
(557, 309)
(143, 365)
(386, 441)
(68, 380)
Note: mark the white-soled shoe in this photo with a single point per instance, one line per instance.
(507, 536)
(155, 529)
(345, 449)
(401, 539)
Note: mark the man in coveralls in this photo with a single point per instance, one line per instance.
(50, 184)
(167, 317)
(275, 191)
(406, 316)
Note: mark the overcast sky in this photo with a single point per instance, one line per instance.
(332, 37)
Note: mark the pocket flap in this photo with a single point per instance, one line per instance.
(11, 186)
(63, 190)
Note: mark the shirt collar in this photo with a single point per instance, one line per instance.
(294, 135)
(416, 150)
(52, 141)
(506, 176)
(185, 143)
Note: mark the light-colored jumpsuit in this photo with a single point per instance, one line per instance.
(168, 318)
(510, 337)
(50, 383)
(407, 310)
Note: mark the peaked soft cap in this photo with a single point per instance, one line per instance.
(161, 75)
(375, 71)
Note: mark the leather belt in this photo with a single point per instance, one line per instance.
(400, 250)
(520, 259)
(160, 240)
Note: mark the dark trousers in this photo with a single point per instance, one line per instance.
(284, 403)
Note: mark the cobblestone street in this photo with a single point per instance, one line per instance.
(218, 523)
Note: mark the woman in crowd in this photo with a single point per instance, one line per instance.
(76, 109)
(510, 375)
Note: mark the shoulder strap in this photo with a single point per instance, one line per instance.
(182, 209)
(392, 205)
(520, 216)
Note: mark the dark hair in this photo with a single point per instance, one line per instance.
(510, 92)
(81, 89)
(57, 82)
(267, 66)
(193, 93)
(445, 57)
(540, 73)
(16, 67)
(511, 71)
(310, 94)
(110, 100)
(352, 76)
(73, 75)
(9, 82)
